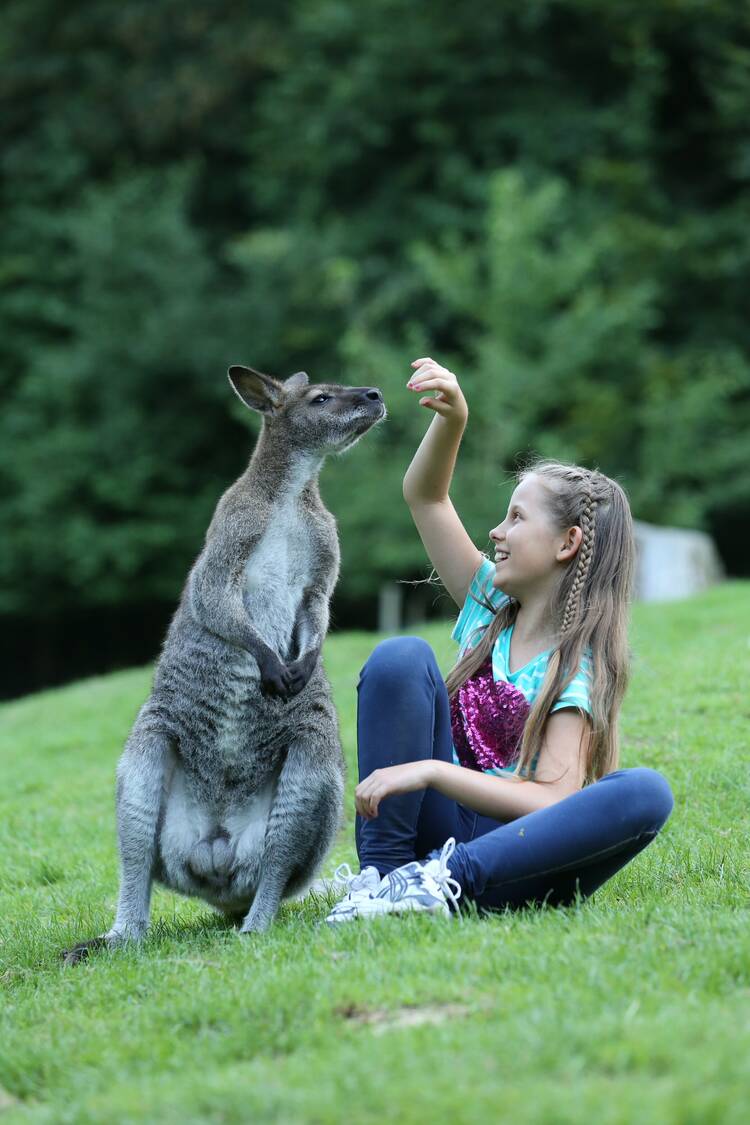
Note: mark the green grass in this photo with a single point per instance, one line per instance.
(632, 1006)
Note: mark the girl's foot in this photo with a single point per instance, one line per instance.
(360, 886)
(424, 886)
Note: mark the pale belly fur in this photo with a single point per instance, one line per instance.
(216, 858)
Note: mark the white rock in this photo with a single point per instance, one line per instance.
(674, 562)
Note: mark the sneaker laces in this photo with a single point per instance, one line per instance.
(450, 887)
(395, 885)
(346, 879)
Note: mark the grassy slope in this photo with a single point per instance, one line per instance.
(632, 1006)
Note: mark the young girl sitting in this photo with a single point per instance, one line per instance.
(508, 769)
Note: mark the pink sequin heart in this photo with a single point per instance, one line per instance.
(487, 720)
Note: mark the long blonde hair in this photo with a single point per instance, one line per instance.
(590, 607)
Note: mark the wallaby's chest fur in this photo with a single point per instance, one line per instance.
(295, 549)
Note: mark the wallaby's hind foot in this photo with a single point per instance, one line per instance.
(257, 927)
(111, 940)
(80, 952)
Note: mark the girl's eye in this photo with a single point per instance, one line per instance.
(321, 398)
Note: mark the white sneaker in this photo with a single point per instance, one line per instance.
(415, 886)
(359, 887)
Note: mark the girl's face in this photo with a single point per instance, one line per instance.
(528, 549)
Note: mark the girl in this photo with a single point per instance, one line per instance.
(506, 768)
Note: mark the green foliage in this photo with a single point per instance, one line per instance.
(549, 198)
(110, 415)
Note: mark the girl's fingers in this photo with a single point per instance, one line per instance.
(440, 392)
(370, 803)
(433, 384)
(442, 401)
(363, 799)
(439, 396)
(436, 404)
(427, 367)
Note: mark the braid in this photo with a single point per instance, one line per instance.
(585, 551)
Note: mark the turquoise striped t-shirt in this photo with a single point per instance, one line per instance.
(471, 622)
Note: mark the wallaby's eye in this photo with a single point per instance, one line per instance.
(320, 398)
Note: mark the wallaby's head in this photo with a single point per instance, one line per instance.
(320, 417)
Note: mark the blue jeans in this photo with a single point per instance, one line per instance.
(547, 856)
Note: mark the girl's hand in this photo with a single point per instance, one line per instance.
(388, 782)
(449, 400)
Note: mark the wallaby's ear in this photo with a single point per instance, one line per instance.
(299, 379)
(258, 391)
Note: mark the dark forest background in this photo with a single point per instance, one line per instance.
(550, 198)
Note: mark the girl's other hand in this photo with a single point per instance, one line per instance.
(388, 782)
(448, 401)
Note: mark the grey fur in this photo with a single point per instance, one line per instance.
(230, 786)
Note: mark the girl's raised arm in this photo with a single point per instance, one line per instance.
(428, 479)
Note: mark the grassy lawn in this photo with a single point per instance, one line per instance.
(633, 1006)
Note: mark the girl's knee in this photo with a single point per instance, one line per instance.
(648, 793)
(661, 800)
(397, 657)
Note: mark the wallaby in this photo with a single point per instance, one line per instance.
(230, 785)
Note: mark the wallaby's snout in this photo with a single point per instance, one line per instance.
(360, 408)
(331, 418)
(326, 417)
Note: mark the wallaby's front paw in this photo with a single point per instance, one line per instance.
(301, 670)
(286, 680)
(277, 686)
(275, 680)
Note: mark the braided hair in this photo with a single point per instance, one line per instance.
(583, 557)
